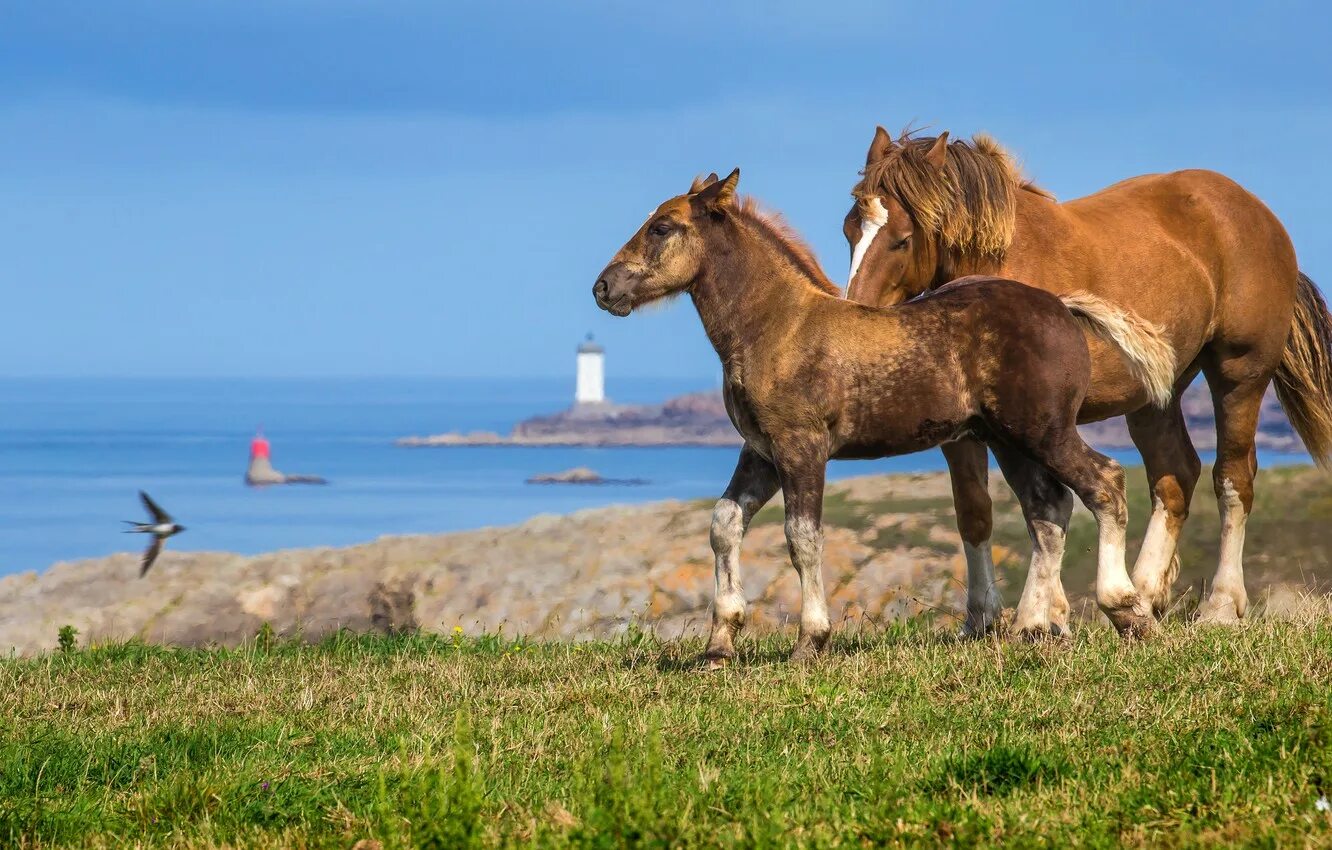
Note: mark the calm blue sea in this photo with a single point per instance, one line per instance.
(73, 453)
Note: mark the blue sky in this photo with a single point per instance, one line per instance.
(425, 188)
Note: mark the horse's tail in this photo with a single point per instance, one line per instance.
(1150, 355)
(1304, 378)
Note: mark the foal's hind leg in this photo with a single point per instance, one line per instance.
(968, 468)
(1173, 468)
(1099, 483)
(1046, 506)
(1237, 396)
(752, 485)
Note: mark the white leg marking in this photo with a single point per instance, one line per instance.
(1043, 603)
(873, 218)
(806, 542)
(728, 528)
(1151, 572)
(1228, 599)
(1113, 585)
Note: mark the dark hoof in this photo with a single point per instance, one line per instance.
(715, 658)
(807, 650)
(1131, 624)
(1047, 632)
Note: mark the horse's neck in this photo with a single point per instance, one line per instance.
(744, 293)
(1041, 233)
(1038, 219)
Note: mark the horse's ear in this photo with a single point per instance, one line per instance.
(880, 147)
(938, 154)
(720, 196)
(701, 183)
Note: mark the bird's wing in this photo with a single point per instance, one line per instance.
(155, 509)
(150, 555)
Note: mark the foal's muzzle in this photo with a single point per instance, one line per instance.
(613, 290)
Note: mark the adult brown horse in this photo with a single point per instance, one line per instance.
(1190, 251)
(810, 376)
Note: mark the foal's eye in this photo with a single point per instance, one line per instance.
(661, 228)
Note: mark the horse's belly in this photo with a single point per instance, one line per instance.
(885, 440)
(1113, 389)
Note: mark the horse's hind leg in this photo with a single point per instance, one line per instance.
(969, 471)
(1099, 483)
(1046, 506)
(752, 485)
(1173, 468)
(1237, 395)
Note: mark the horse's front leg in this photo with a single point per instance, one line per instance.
(752, 485)
(968, 468)
(802, 488)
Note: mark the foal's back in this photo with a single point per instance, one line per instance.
(978, 352)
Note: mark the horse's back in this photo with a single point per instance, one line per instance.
(1204, 210)
(1000, 319)
(998, 296)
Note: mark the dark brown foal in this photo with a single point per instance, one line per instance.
(809, 377)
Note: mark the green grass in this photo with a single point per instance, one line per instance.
(898, 737)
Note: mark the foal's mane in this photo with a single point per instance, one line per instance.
(969, 204)
(774, 229)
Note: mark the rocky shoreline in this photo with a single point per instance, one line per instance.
(697, 419)
(891, 552)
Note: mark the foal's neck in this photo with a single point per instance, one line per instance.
(747, 288)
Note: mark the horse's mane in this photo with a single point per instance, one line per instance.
(970, 204)
(781, 235)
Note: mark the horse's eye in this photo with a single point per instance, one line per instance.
(661, 228)
(901, 243)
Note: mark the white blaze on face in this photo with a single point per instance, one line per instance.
(872, 218)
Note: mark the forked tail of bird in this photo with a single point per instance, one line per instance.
(1151, 357)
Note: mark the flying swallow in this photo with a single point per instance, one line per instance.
(161, 527)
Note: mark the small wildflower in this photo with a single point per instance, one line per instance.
(1323, 804)
(457, 630)
(263, 785)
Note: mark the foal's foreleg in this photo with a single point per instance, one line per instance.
(1046, 506)
(752, 485)
(1173, 468)
(969, 472)
(802, 488)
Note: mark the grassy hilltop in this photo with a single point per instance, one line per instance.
(901, 736)
(1201, 736)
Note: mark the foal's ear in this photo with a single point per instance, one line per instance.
(938, 154)
(701, 183)
(720, 196)
(880, 147)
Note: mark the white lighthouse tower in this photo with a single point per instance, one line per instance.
(591, 387)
